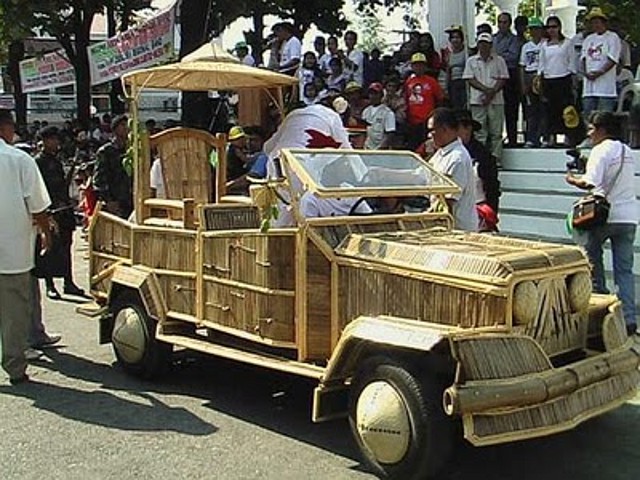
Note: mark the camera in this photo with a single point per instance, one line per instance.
(578, 162)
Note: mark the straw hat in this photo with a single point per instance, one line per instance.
(352, 87)
(571, 117)
(236, 133)
(596, 12)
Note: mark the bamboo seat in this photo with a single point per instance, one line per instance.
(187, 173)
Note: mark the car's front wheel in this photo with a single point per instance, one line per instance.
(398, 422)
(133, 339)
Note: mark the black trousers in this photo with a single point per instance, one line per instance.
(512, 100)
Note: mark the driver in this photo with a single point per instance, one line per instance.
(336, 174)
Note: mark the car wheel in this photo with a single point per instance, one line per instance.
(399, 423)
(134, 342)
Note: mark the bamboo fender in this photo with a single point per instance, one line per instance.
(481, 396)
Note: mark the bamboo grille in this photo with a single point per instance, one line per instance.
(556, 328)
(371, 292)
(111, 235)
(165, 249)
(556, 414)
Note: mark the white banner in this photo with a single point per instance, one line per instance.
(145, 45)
(49, 71)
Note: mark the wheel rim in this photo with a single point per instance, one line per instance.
(128, 336)
(383, 423)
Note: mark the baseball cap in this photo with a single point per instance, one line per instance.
(535, 22)
(418, 57)
(376, 87)
(485, 37)
(240, 45)
(236, 133)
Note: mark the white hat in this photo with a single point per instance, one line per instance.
(485, 37)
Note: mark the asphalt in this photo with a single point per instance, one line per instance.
(82, 417)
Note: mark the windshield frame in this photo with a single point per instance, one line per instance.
(292, 165)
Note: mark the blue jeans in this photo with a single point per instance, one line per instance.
(622, 236)
(602, 104)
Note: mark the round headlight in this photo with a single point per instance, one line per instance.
(579, 287)
(526, 298)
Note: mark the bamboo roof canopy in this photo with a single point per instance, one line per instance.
(209, 67)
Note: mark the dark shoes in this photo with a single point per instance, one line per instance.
(20, 380)
(48, 340)
(73, 289)
(632, 329)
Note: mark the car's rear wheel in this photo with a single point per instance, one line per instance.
(398, 422)
(133, 339)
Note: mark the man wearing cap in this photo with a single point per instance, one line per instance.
(290, 51)
(529, 66)
(23, 201)
(111, 182)
(242, 51)
(487, 74)
(507, 45)
(57, 262)
(423, 94)
(380, 120)
(600, 55)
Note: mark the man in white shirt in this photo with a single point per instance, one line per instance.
(487, 74)
(600, 55)
(452, 159)
(290, 48)
(23, 201)
(380, 120)
(354, 58)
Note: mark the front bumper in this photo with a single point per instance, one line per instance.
(507, 389)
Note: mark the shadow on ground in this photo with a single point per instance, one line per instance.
(603, 448)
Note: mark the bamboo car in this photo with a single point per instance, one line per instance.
(408, 326)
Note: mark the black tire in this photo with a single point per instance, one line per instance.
(153, 358)
(430, 432)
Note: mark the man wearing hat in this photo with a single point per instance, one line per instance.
(600, 55)
(236, 153)
(242, 51)
(486, 74)
(111, 182)
(380, 120)
(422, 94)
(57, 262)
(529, 66)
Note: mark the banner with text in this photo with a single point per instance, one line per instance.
(145, 45)
(48, 71)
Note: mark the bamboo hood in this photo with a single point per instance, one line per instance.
(476, 257)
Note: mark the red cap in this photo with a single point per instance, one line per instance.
(376, 87)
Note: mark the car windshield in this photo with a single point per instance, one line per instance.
(366, 173)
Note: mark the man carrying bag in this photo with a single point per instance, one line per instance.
(609, 177)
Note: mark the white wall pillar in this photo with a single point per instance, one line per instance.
(509, 6)
(444, 13)
(566, 11)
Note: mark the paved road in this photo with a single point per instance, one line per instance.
(84, 418)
